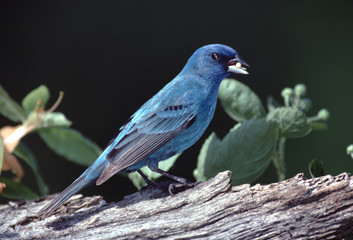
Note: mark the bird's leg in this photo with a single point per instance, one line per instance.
(181, 182)
(148, 182)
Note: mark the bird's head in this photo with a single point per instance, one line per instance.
(216, 61)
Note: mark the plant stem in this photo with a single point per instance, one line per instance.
(279, 159)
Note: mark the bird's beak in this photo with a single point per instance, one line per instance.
(236, 64)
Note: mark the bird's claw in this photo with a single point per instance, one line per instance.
(167, 187)
(177, 187)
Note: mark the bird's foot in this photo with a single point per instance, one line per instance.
(177, 187)
(173, 186)
(156, 189)
(147, 188)
(166, 187)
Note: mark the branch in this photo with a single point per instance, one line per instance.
(319, 208)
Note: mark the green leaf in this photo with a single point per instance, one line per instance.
(10, 109)
(291, 122)
(246, 151)
(137, 180)
(239, 101)
(165, 165)
(25, 154)
(210, 149)
(319, 126)
(1, 153)
(71, 144)
(53, 119)
(30, 102)
(15, 190)
(316, 168)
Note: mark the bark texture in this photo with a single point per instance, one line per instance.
(319, 208)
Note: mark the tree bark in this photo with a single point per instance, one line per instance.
(318, 208)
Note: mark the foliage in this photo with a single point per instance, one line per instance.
(247, 161)
(259, 137)
(234, 95)
(316, 168)
(54, 129)
(350, 150)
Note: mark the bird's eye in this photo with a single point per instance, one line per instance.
(215, 56)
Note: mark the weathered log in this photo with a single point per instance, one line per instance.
(318, 208)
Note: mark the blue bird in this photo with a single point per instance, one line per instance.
(167, 124)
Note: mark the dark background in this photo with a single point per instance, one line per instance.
(109, 57)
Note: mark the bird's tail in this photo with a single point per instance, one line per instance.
(76, 186)
(87, 178)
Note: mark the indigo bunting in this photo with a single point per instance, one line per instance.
(167, 124)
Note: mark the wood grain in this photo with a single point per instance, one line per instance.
(298, 208)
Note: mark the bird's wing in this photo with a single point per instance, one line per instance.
(146, 135)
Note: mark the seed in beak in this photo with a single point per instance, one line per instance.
(238, 65)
